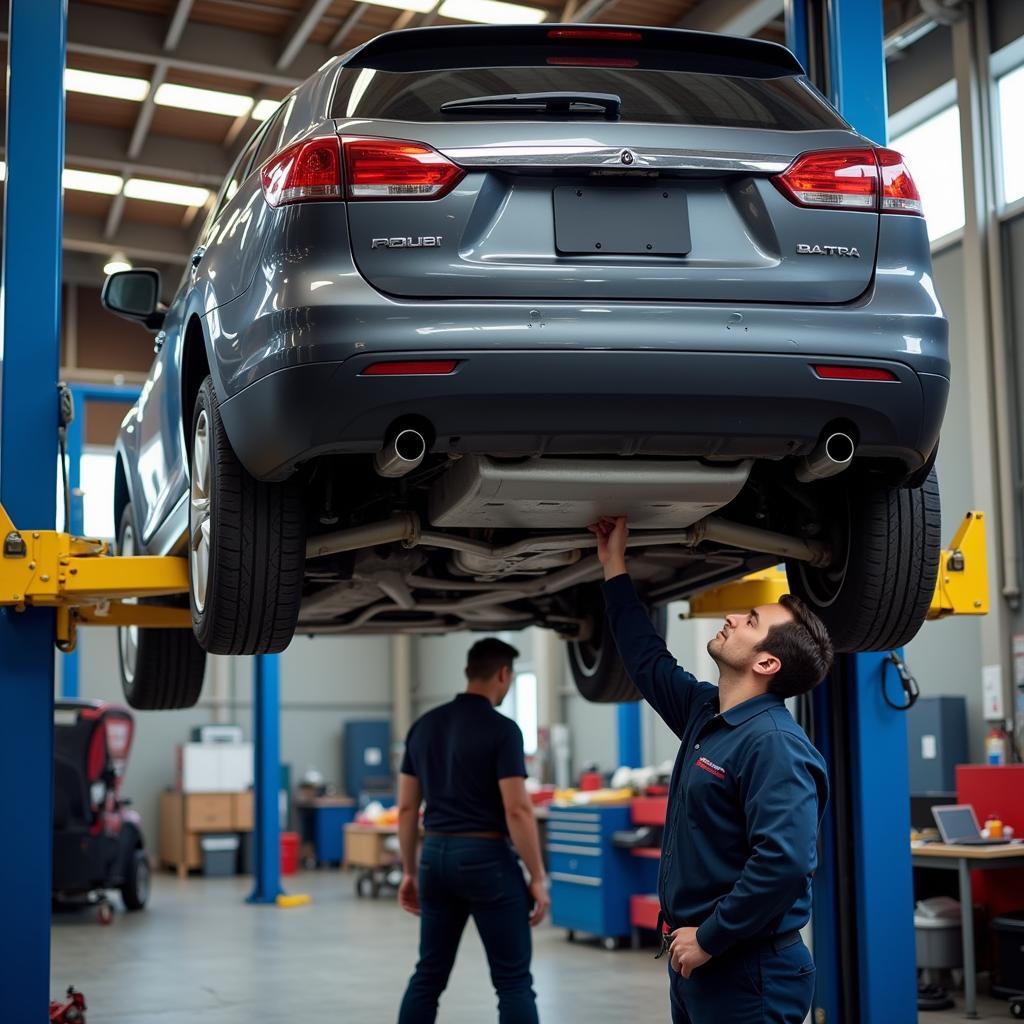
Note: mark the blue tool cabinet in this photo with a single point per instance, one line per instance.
(591, 880)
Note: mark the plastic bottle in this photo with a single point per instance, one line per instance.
(995, 746)
(993, 827)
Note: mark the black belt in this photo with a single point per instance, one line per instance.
(777, 942)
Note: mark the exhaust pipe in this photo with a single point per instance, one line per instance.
(831, 455)
(401, 455)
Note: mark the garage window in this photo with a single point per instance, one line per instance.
(932, 151)
(97, 486)
(521, 706)
(1011, 102)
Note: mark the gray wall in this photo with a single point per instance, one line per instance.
(919, 69)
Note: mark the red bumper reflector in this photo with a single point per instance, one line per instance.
(413, 367)
(854, 373)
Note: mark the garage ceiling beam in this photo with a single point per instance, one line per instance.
(207, 49)
(302, 28)
(590, 11)
(732, 17)
(179, 19)
(346, 27)
(140, 242)
(97, 147)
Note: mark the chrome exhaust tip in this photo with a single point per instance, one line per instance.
(401, 455)
(830, 456)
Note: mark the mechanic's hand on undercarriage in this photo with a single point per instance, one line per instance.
(687, 955)
(611, 544)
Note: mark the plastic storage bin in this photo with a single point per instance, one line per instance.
(220, 855)
(1008, 930)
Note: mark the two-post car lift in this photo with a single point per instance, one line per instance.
(52, 582)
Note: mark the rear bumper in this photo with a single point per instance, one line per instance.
(557, 401)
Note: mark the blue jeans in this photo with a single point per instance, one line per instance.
(754, 984)
(461, 876)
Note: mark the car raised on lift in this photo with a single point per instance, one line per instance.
(472, 287)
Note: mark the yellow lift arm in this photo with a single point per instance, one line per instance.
(85, 583)
(961, 587)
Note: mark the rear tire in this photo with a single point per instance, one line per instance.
(597, 669)
(877, 597)
(135, 891)
(160, 668)
(247, 545)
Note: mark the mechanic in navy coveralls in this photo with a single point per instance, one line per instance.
(747, 795)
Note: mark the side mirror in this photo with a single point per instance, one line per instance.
(135, 295)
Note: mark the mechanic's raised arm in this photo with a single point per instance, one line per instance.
(669, 689)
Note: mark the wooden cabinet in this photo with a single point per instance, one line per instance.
(184, 817)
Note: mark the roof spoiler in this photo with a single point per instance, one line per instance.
(435, 47)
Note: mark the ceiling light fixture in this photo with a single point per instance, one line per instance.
(418, 6)
(265, 109)
(92, 181)
(117, 87)
(116, 263)
(165, 192)
(207, 101)
(491, 12)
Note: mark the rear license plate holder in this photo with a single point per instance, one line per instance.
(604, 221)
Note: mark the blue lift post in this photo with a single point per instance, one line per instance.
(83, 393)
(630, 733)
(863, 738)
(266, 701)
(30, 355)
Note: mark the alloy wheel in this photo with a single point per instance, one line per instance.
(200, 499)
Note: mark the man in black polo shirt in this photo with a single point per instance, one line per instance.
(465, 760)
(747, 795)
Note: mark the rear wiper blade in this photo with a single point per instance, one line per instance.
(549, 102)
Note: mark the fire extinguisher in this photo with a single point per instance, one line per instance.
(995, 746)
(72, 1011)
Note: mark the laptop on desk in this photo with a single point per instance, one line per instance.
(958, 826)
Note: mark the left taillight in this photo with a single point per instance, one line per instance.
(395, 169)
(307, 171)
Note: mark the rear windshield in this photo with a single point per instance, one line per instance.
(649, 95)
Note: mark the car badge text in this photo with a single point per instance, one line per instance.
(408, 242)
(805, 249)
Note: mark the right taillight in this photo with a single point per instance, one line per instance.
(394, 169)
(851, 179)
(899, 193)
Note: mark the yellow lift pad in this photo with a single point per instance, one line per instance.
(961, 587)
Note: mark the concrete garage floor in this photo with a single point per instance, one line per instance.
(200, 954)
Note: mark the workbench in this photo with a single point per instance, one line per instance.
(963, 860)
(184, 817)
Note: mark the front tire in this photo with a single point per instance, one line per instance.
(877, 595)
(247, 545)
(160, 668)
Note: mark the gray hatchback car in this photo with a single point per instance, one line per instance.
(472, 287)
